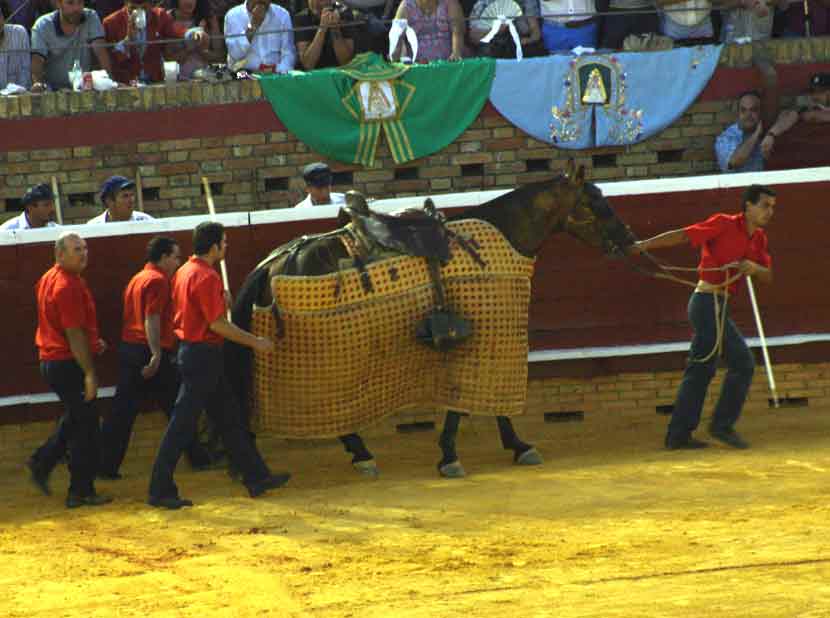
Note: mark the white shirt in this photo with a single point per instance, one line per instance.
(136, 216)
(275, 48)
(563, 8)
(336, 200)
(21, 222)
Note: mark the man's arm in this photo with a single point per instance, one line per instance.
(742, 153)
(665, 240)
(343, 45)
(238, 46)
(152, 329)
(456, 16)
(756, 271)
(785, 121)
(309, 51)
(231, 331)
(288, 52)
(79, 345)
(38, 62)
(103, 55)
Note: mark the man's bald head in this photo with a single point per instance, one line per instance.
(71, 252)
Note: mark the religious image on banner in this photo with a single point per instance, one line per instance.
(419, 109)
(592, 101)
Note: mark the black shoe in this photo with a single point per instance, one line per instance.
(272, 481)
(729, 436)
(110, 476)
(39, 477)
(169, 503)
(73, 501)
(689, 444)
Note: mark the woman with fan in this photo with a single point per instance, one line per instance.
(526, 15)
(439, 26)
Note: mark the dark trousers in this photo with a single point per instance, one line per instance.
(163, 387)
(697, 376)
(203, 380)
(77, 431)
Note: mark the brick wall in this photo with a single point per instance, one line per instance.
(256, 169)
(601, 399)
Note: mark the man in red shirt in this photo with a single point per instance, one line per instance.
(199, 321)
(731, 247)
(145, 356)
(67, 338)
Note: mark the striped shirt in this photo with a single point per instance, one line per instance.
(15, 67)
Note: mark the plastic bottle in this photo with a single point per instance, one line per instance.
(75, 75)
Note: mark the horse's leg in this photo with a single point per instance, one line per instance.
(449, 466)
(523, 454)
(362, 459)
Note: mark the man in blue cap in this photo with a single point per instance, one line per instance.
(118, 198)
(38, 210)
(318, 179)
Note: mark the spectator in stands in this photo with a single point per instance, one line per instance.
(332, 44)
(15, 66)
(818, 104)
(568, 23)
(63, 37)
(269, 52)
(750, 19)
(134, 29)
(745, 145)
(38, 209)
(318, 179)
(690, 26)
(792, 18)
(502, 45)
(193, 55)
(439, 26)
(118, 198)
(620, 23)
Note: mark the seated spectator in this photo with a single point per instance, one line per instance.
(272, 51)
(192, 55)
(818, 103)
(332, 43)
(502, 45)
(134, 29)
(619, 23)
(745, 145)
(750, 19)
(118, 198)
(15, 66)
(318, 179)
(38, 209)
(61, 38)
(568, 23)
(693, 25)
(439, 26)
(791, 17)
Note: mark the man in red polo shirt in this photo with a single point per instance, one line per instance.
(145, 357)
(199, 322)
(731, 247)
(67, 338)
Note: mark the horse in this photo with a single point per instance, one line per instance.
(526, 217)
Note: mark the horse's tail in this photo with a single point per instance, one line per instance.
(238, 358)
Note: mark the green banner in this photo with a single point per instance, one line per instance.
(420, 109)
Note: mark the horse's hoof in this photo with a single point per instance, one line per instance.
(367, 468)
(452, 470)
(531, 457)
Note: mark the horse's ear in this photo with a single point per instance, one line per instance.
(429, 206)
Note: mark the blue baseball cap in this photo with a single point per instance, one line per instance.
(114, 184)
(38, 193)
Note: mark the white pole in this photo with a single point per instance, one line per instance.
(222, 266)
(770, 377)
(58, 209)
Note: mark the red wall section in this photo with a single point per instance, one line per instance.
(580, 298)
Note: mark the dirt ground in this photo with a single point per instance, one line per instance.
(610, 525)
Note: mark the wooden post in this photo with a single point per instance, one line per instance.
(139, 190)
(58, 210)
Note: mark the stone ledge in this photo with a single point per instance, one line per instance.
(189, 94)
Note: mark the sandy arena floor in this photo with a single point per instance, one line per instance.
(610, 526)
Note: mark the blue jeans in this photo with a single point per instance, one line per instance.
(561, 38)
(203, 380)
(697, 376)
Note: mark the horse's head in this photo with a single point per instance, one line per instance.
(588, 216)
